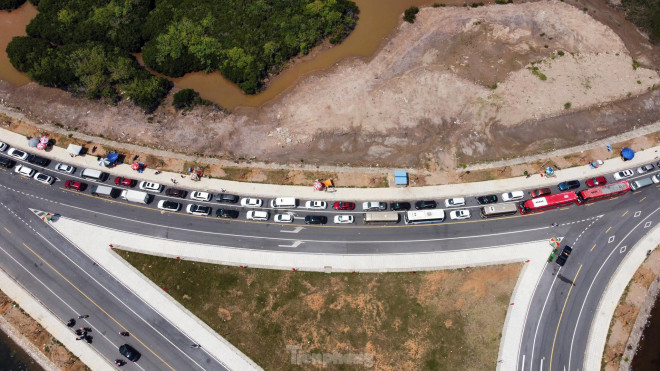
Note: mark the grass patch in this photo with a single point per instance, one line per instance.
(433, 320)
(277, 176)
(537, 73)
(236, 173)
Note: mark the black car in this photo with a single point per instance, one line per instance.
(571, 184)
(174, 192)
(226, 197)
(316, 219)
(421, 205)
(490, 199)
(398, 206)
(129, 352)
(561, 259)
(34, 159)
(5, 162)
(226, 213)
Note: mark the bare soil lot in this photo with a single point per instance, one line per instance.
(423, 320)
(460, 85)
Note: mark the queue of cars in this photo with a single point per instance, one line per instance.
(457, 213)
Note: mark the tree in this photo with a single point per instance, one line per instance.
(185, 98)
(410, 14)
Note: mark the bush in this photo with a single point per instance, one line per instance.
(10, 4)
(410, 14)
(186, 98)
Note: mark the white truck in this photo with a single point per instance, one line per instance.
(135, 196)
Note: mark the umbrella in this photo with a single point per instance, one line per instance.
(104, 162)
(48, 217)
(627, 154)
(135, 166)
(33, 142)
(44, 140)
(554, 242)
(113, 156)
(41, 146)
(318, 185)
(549, 171)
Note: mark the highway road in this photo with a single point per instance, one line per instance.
(68, 282)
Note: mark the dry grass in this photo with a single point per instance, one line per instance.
(429, 320)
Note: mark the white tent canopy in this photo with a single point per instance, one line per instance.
(74, 149)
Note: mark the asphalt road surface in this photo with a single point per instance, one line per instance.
(69, 283)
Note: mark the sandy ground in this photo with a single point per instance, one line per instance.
(35, 337)
(627, 310)
(459, 86)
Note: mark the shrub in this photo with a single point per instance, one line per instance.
(10, 4)
(567, 105)
(186, 98)
(410, 14)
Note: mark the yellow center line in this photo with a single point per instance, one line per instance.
(564, 208)
(94, 303)
(8, 231)
(562, 313)
(642, 199)
(613, 198)
(592, 249)
(624, 214)
(608, 229)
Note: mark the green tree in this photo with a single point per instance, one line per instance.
(410, 14)
(10, 4)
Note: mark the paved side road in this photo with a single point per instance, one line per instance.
(57, 154)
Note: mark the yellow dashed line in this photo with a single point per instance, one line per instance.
(561, 315)
(642, 199)
(624, 214)
(592, 249)
(608, 229)
(8, 231)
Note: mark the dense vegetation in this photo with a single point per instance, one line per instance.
(646, 15)
(10, 4)
(187, 98)
(410, 14)
(83, 45)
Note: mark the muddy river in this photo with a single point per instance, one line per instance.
(377, 19)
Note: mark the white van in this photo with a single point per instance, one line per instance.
(93, 174)
(640, 183)
(284, 203)
(257, 215)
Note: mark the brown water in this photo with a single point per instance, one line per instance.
(377, 19)
(13, 24)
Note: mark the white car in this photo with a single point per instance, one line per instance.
(251, 202)
(257, 215)
(43, 178)
(3, 146)
(456, 201)
(24, 170)
(169, 205)
(200, 196)
(460, 214)
(513, 196)
(624, 174)
(17, 153)
(198, 210)
(150, 186)
(283, 218)
(656, 178)
(374, 206)
(644, 169)
(344, 219)
(316, 205)
(64, 168)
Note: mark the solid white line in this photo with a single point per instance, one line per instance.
(297, 239)
(584, 301)
(527, 313)
(538, 324)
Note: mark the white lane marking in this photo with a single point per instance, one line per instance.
(622, 249)
(53, 293)
(647, 224)
(637, 213)
(293, 239)
(122, 301)
(538, 324)
(610, 240)
(294, 244)
(538, 280)
(295, 230)
(584, 300)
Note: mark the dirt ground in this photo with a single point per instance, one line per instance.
(628, 309)
(39, 337)
(461, 85)
(423, 320)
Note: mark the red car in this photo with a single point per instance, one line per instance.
(120, 181)
(74, 184)
(340, 205)
(541, 192)
(593, 182)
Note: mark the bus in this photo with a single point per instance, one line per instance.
(604, 192)
(548, 202)
(424, 216)
(499, 210)
(382, 217)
